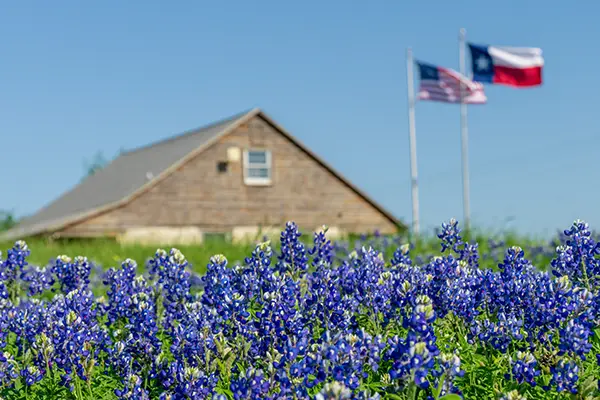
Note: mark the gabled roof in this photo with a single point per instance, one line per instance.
(136, 171)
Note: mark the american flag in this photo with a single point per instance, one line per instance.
(444, 84)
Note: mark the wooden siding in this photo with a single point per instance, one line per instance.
(197, 194)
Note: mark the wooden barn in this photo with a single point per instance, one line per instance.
(239, 177)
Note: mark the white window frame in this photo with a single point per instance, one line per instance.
(256, 180)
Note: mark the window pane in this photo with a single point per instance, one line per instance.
(257, 157)
(258, 172)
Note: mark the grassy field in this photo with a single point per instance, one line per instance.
(108, 253)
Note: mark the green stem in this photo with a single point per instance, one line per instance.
(438, 390)
(585, 275)
(78, 389)
(89, 385)
(89, 370)
(413, 387)
(51, 373)
(14, 293)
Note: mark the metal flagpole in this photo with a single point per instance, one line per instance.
(412, 141)
(464, 134)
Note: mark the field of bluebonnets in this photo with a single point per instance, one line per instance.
(308, 320)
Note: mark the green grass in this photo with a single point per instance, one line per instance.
(109, 253)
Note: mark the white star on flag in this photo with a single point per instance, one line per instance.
(482, 63)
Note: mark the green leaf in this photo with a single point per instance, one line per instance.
(588, 386)
(438, 389)
(450, 396)
(393, 396)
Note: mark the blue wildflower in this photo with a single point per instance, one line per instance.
(565, 376)
(524, 368)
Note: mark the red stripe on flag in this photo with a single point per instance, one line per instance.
(518, 77)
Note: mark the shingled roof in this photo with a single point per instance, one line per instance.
(134, 171)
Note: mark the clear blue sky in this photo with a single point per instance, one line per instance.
(77, 79)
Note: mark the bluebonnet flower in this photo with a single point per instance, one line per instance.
(16, 261)
(450, 369)
(8, 369)
(257, 273)
(565, 376)
(401, 256)
(450, 236)
(71, 274)
(370, 284)
(173, 285)
(184, 382)
(39, 280)
(513, 395)
(322, 251)
(293, 258)
(334, 391)
(408, 283)
(4, 325)
(138, 344)
(251, 384)
(191, 345)
(415, 356)
(451, 365)
(119, 357)
(13, 270)
(219, 293)
(524, 368)
(120, 283)
(3, 291)
(553, 304)
(43, 350)
(77, 337)
(132, 389)
(347, 358)
(581, 305)
(470, 254)
(574, 339)
(451, 239)
(330, 297)
(510, 291)
(305, 322)
(514, 262)
(577, 258)
(155, 265)
(501, 333)
(464, 294)
(143, 320)
(32, 375)
(27, 321)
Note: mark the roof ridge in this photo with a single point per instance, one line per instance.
(187, 132)
(108, 193)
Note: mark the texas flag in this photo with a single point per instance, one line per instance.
(510, 66)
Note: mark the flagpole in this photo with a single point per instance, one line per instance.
(464, 134)
(412, 141)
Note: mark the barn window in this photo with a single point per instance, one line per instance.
(257, 167)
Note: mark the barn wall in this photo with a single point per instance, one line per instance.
(197, 194)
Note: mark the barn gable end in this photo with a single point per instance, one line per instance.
(199, 195)
(205, 189)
